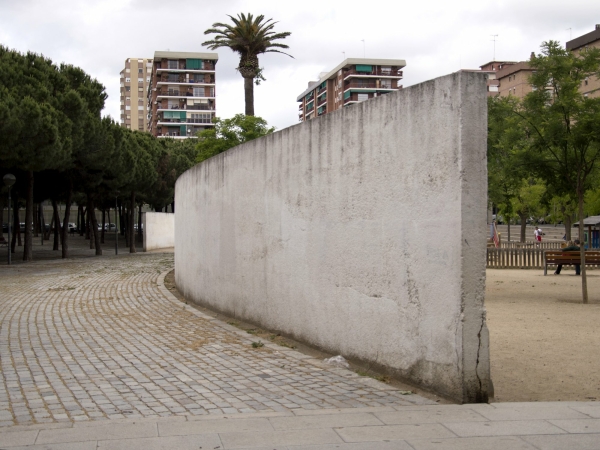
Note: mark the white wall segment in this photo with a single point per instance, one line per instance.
(158, 230)
(361, 232)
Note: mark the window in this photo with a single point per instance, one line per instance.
(173, 64)
(198, 92)
(140, 89)
(127, 88)
(141, 81)
(128, 116)
(140, 71)
(128, 107)
(363, 97)
(147, 79)
(140, 61)
(127, 80)
(140, 107)
(127, 70)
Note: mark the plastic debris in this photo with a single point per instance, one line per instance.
(405, 392)
(337, 361)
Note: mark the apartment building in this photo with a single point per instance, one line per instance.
(513, 79)
(589, 87)
(135, 79)
(491, 68)
(182, 93)
(354, 80)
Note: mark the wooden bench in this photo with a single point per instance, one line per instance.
(556, 257)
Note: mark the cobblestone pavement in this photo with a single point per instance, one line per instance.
(101, 338)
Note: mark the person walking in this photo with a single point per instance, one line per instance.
(572, 247)
(538, 234)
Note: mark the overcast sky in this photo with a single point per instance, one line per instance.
(434, 37)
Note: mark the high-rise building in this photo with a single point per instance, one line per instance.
(135, 79)
(182, 93)
(513, 79)
(590, 87)
(352, 81)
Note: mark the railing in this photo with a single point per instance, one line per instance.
(182, 79)
(181, 66)
(514, 258)
(200, 107)
(360, 84)
(376, 71)
(532, 244)
(321, 101)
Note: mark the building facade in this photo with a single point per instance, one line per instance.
(352, 81)
(181, 94)
(491, 68)
(135, 79)
(589, 87)
(513, 80)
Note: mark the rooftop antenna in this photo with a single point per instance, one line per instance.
(364, 51)
(570, 33)
(494, 39)
(344, 53)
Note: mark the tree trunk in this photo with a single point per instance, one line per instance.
(508, 222)
(131, 222)
(42, 221)
(584, 290)
(103, 225)
(568, 226)
(36, 219)
(50, 228)
(56, 220)
(28, 248)
(523, 226)
(94, 226)
(139, 233)
(80, 220)
(16, 226)
(249, 95)
(65, 227)
(122, 220)
(125, 225)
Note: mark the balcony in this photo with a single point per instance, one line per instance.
(184, 107)
(183, 93)
(321, 100)
(376, 71)
(206, 66)
(176, 78)
(364, 84)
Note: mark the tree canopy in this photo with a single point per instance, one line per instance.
(249, 37)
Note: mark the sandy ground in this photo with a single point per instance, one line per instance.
(545, 344)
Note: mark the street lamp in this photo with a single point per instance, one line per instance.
(116, 221)
(9, 179)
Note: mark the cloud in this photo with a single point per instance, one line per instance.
(434, 37)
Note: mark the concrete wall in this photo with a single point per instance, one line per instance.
(159, 230)
(361, 232)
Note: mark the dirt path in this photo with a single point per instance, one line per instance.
(545, 344)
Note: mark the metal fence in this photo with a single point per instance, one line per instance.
(532, 244)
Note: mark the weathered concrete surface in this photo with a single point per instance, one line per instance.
(330, 231)
(159, 230)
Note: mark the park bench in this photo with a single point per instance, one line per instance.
(555, 257)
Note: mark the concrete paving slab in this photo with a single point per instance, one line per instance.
(591, 411)
(279, 438)
(324, 421)
(108, 431)
(88, 445)
(394, 432)
(14, 438)
(395, 445)
(503, 428)
(431, 415)
(204, 441)
(565, 442)
(473, 443)
(358, 410)
(532, 411)
(213, 426)
(578, 426)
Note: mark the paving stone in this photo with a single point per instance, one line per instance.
(503, 428)
(323, 421)
(99, 338)
(394, 432)
(473, 443)
(278, 438)
(208, 441)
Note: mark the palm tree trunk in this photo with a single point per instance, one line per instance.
(249, 95)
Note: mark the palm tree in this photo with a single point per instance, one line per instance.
(249, 37)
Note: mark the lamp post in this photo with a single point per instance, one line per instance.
(116, 221)
(9, 179)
